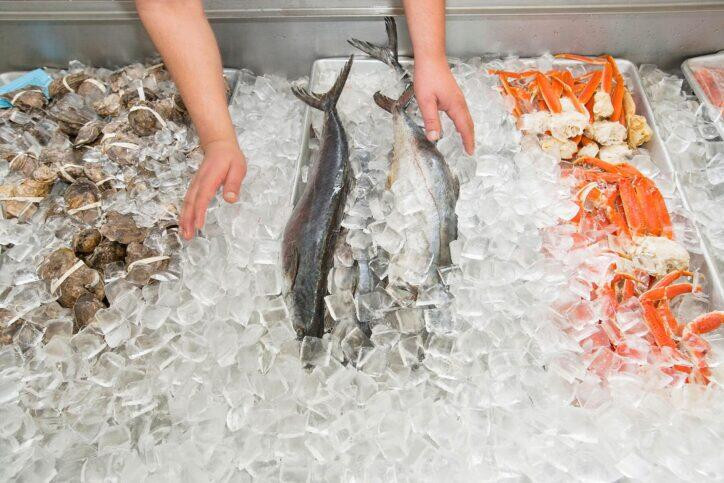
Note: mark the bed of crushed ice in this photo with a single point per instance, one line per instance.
(210, 385)
(692, 133)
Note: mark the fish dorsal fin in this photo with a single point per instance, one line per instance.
(328, 100)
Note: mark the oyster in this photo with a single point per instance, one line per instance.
(133, 96)
(141, 273)
(144, 119)
(86, 241)
(92, 89)
(85, 309)
(172, 108)
(71, 113)
(88, 133)
(59, 156)
(82, 193)
(106, 252)
(45, 176)
(159, 72)
(27, 98)
(23, 163)
(122, 228)
(79, 278)
(108, 106)
(121, 148)
(67, 83)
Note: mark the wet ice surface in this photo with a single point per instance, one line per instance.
(690, 132)
(208, 384)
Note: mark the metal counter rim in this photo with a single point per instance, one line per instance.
(124, 10)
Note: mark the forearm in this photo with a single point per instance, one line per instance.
(183, 37)
(426, 22)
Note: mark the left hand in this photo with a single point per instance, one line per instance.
(436, 90)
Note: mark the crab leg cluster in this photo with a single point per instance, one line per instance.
(619, 198)
(588, 115)
(630, 201)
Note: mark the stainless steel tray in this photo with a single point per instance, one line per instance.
(656, 148)
(231, 74)
(688, 69)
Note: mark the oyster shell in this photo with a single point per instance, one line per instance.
(23, 163)
(88, 133)
(86, 241)
(60, 85)
(106, 252)
(144, 119)
(81, 193)
(141, 273)
(71, 113)
(81, 281)
(132, 97)
(85, 309)
(27, 98)
(108, 106)
(121, 148)
(92, 89)
(122, 228)
(172, 108)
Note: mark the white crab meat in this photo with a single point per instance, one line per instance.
(534, 122)
(590, 150)
(602, 105)
(563, 148)
(567, 124)
(567, 105)
(615, 153)
(639, 131)
(606, 133)
(658, 255)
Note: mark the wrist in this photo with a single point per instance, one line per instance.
(221, 142)
(431, 57)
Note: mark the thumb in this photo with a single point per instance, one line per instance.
(431, 118)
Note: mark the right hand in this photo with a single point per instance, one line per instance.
(436, 90)
(224, 164)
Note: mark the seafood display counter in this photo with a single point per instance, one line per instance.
(375, 306)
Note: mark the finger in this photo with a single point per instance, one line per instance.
(232, 185)
(460, 116)
(431, 118)
(203, 198)
(187, 212)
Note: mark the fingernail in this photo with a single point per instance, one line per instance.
(433, 135)
(230, 197)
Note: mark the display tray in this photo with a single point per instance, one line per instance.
(713, 60)
(659, 155)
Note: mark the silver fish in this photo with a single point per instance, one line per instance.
(311, 232)
(417, 162)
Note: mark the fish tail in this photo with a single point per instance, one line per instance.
(328, 100)
(389, 104)
(384, 53)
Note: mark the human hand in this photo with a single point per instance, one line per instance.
(224, 164)
(436, 90)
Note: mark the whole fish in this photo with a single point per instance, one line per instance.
(311, 232)
(417, 162)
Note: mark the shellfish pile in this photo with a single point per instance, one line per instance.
(95, 170)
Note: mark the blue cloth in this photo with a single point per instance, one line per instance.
(36, 77)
